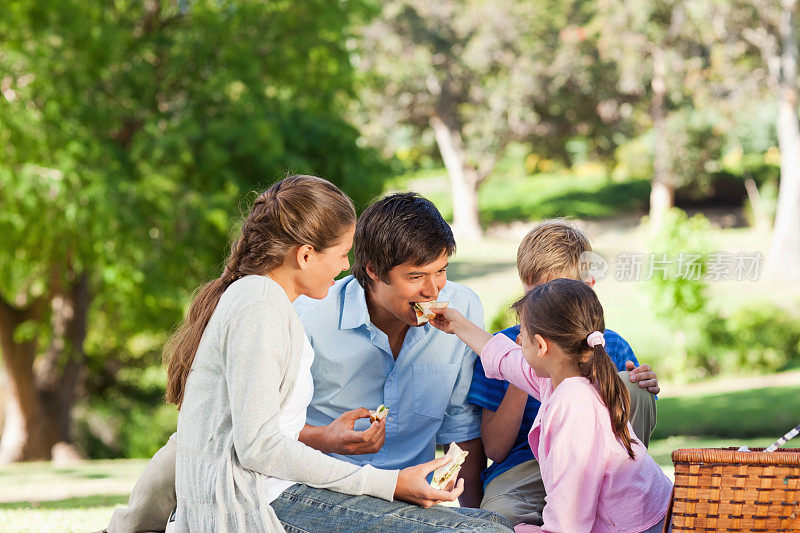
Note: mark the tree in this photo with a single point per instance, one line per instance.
(775, 36)
(663, 52)
(480, 75)
(131, 131)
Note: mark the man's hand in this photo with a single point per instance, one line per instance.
(644, 376)
(340, 437)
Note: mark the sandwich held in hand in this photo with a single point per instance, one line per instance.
(443, 475)
(425, 312)
(378, 414)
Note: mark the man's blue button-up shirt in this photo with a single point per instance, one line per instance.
(425, 388)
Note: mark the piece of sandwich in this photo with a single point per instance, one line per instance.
(378, 414)
(425, 312)
(443, 475)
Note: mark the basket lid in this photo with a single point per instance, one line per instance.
(784, 456)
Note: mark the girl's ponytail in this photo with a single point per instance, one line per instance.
(613, 392)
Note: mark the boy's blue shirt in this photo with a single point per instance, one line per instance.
(488, 393)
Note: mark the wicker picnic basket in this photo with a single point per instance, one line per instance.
(722, 489)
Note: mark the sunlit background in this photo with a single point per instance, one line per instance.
(133, 135)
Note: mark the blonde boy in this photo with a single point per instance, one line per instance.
(513, 484)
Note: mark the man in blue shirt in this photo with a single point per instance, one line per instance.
(512, 484)
(369, 349)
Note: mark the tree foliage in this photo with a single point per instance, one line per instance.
(481, 75)
(131, 133)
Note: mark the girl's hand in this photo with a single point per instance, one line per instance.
(451, 321)
(446, 319)
(412, 485)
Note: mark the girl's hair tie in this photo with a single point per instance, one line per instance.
(595, 338)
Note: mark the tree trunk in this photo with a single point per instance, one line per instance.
(662, 192)
(463, 180)
(60, 371)
(39, 403)
(25, 437)
(783, 261)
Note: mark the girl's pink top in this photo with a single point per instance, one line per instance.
(591, 482)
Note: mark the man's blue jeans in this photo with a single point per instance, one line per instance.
(301, 508)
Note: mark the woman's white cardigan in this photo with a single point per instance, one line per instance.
(228, 435)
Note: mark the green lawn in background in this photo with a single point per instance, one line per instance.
(79, 497)
(767, 412)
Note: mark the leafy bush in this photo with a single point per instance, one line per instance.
(679, 299)
(755, 338)
(761, 338)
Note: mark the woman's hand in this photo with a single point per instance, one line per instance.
(412, 485)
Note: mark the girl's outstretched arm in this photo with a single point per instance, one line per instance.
(507, 361)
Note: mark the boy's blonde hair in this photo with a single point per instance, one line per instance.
(551, 250)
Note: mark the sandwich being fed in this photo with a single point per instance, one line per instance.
(425, 312)
(378, 414)
(443, 475)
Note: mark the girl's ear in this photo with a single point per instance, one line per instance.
(303, 256)
(543, 347)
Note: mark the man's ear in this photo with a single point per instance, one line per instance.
(303, 256)
(543, 347)
(371, 273)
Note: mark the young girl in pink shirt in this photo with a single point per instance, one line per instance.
(597, 474)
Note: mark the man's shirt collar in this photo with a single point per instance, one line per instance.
(354, 306)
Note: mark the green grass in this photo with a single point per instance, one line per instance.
(24, 520)
(550, 196)
(767, 412)
(661, 449)
(40, 497)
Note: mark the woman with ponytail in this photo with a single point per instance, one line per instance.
(597, 474)
(239, 371)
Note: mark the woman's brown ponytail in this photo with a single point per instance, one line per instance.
(294, 211)
(566, 311)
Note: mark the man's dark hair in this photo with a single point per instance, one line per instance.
(400, 228)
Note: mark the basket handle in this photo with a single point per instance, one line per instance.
(792, 433)
(668, 516)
